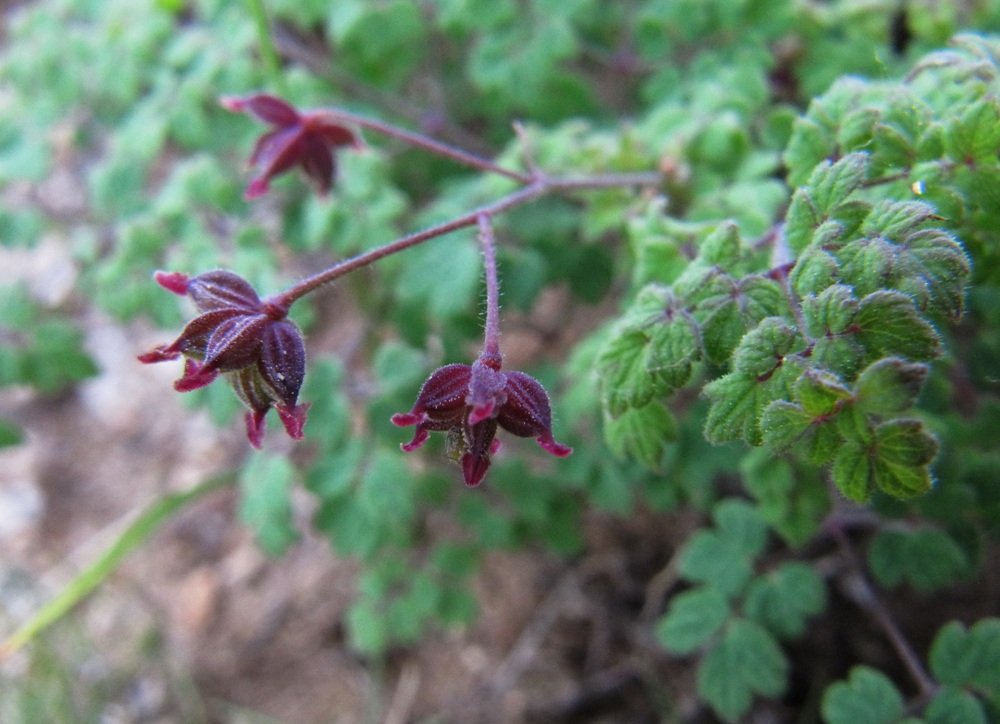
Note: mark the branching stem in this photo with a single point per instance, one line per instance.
(858, 588)
(539, 186)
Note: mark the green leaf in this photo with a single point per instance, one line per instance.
(673, 347)
(831, 312)
(821, 392)
(814, 271)
(969, 657)
(831, 184)
(693, 618)
(626, 382)
(867, 697)
(746, 661)
(792, 501)
(974, 137)
(896, 461)
(763, 349)
(641, 433)
(934, 270)
(722, 246)
(723, 557)
(785, 598)
(904, 452)
(889, 386)
(367, 627)
(952, 706)
(851, 472)
(265, 505)
(887, 323)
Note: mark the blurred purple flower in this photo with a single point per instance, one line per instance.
(306, 139)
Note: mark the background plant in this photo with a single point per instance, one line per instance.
(857, 140)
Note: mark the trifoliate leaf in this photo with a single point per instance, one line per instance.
(761, 297)
(692, 619)
(785, 425)
(746, 661)
(711, 559)
(934, 270)
(974, 137)
(925, 558)
(851, 472)
(811, 142)
(896, 461)
(763, 349)
(867, 697)
(641, 433)
(831, 184)
(814, 271)
(866, 264)
(722, 246)
(953, 706)
(738, 401)
(721, 330)
(821, 392)
(801, 220)
(785, 598)
(905, 449)
(969, 657)
(741, 525)
(889, 386)
(888, 324)
(625, 381)
(723, 557)
(831, 312)
(673, 347)
(896, 220)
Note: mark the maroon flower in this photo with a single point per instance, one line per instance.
(249, 341)
(470, 403)
(306, 139)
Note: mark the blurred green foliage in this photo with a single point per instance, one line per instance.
(842, 136)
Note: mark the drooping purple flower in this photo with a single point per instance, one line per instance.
(249, 341)
(307, 139)
(470, 403)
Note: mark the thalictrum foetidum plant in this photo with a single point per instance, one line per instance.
(775, 226)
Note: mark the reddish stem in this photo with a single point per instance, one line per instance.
(491, 347)
(537, 187)
(428, 144)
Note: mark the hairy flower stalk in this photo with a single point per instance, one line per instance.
(471, 402)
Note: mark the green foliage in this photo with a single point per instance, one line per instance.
(965, 664)
(808, 306)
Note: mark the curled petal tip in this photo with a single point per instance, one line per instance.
(549, 445)
(163, 353)
(195, 377)
(419, 438)
(255, 429)
(255, 189)
(175, 282)
(404, 419)
(294, 419)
